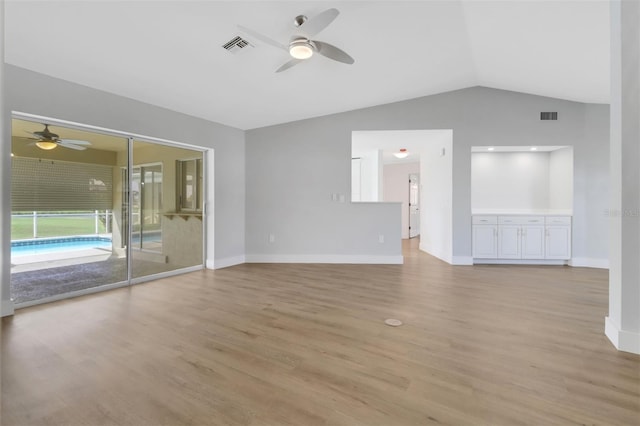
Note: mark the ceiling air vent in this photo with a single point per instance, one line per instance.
(548, 116)
(236, 44)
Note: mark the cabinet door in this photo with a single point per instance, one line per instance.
(484, 242)
(509, 242)
(532, 242)
(558, 244)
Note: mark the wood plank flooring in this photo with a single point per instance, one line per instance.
(306, 345)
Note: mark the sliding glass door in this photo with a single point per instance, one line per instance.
(166, 202)
(92, 209)
(65, 206)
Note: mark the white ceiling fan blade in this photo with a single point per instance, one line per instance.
(33, 135)
(74, 141)
(72, 146)
(332, 52)
(263, 38)
(319, 22)
(289, 64)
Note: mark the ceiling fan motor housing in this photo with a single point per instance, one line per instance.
(299, 20)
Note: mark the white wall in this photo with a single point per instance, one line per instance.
(561, 179)
(509, 181)
(436, 199)
(371, 176)
(622, 325)
(396, 189)
(356, 179)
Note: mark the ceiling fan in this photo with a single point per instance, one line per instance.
(301, 47)
(47, 140)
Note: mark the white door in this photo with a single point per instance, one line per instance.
(485, 241)
(414, 205)
(532, 242)
(509, 242)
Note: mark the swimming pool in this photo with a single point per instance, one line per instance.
(56, 245)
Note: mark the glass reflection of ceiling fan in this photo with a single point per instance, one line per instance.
(47, 140)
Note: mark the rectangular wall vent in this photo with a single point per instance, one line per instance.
(236, 44)
(548, 116)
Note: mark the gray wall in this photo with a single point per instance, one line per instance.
(38, 94)
(293, 168)
(292, 172)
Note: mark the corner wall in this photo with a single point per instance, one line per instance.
(38, 94)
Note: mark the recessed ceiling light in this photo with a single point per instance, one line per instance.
(533, 148)
(490, 148)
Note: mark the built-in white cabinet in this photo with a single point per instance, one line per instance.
(485, 233)
(558, 237)
(509, 242)
(520, 237)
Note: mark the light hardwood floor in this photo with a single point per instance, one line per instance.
(306, 345)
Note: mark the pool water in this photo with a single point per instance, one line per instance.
(56, 245)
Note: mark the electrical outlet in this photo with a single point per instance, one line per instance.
(381, 239)
(341, 198)
(272, 238)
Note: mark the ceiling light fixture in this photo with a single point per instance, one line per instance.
(301, 49)
(402, 154)
(490, 148)
(533, 148)
(46, 145)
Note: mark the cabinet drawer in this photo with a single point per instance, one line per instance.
(485, 220)
(521, 220)
(558, 220)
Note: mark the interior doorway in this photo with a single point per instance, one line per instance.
(379, 154)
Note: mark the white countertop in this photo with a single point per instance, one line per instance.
(541, 212)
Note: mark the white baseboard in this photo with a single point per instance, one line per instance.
(625, 341)
(6, 308)
(589, 262)
(518, 262)
(462, 260)
(226, 262)
(436, 253)
(324, 258)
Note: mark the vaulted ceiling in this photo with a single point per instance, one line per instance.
(169, 53)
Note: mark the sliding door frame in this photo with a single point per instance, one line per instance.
(130, 139)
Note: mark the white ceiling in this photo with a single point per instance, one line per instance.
(168, 53)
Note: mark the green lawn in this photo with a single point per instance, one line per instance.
(22, 227)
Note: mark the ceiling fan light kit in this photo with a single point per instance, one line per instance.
(47, 146)
(402, 153)
(301, 49)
